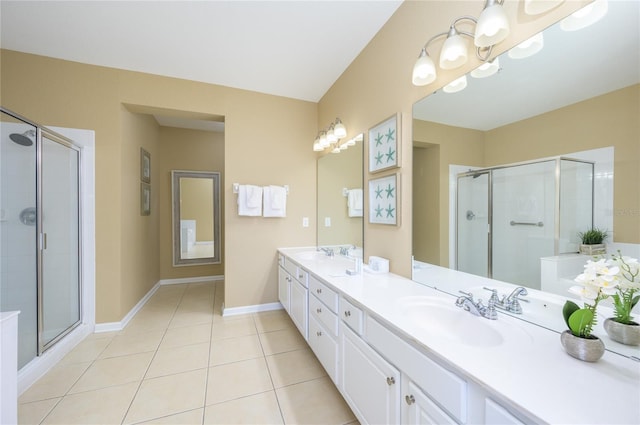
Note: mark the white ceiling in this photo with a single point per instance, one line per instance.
(295, 49)
(573, 66)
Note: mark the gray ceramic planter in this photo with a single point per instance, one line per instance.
(624, 334)
(586, 349)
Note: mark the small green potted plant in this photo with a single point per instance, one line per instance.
(598, 282)
(622, 328)
(593, 241)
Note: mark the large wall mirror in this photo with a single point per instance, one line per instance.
(340, 199)
(578, 97)
(196, 217)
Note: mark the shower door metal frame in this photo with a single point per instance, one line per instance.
(41, 237)
(556, 213)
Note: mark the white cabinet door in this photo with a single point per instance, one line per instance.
(284, 282)
(299, 306)
(419, 409)
(496, 414)
(324, 346)
(370, 384)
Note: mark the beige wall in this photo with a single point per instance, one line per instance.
(378, 84)
(67, 94)
(186, 150)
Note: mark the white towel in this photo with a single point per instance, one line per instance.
(275, 201)
(249, 200)
(354, 202)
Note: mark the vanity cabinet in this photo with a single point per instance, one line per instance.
(369, 384)
(293, 292)
(323, 326)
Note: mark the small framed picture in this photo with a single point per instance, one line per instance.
(384, 145)
(145, 166)
(145, 199)
(383, 200)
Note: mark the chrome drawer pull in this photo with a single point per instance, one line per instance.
(319, 333)
(391, 380)
(347, 313)
(319, 291)
(410, 399)
(318, 310)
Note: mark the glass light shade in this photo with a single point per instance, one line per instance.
(351, 142)
(424, 71)
(343, 146)
(492, 26)
(339, 129)
(487, 69)
(456, 85)
(454, 52)
(536, 7)
(528, 47)
(317, 147)
(323, 140)
(331, 136)
(335, 149)
(588, 15)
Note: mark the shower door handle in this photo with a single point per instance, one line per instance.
(43, 241)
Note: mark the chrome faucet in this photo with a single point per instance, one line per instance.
(510, 303)
(328, 251)
(467, 303)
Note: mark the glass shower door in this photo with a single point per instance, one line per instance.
(18, 233)
(473, 224)
(59, 242)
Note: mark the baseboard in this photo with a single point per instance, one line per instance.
(118, 326)
(233, 311)
(191, 280)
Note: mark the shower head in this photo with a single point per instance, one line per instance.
(23, 139)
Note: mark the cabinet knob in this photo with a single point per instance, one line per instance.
(319, 333)
(347, 313)
(391, 380)
(318, 310)
(319, 291)
(410, 399)
(300, 276)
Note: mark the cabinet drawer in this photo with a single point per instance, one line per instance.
(351, 315)
(328, 296)
(324, 346)
(442, 385)
(322, 313)
(297, 272)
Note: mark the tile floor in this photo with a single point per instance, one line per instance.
(180, 362)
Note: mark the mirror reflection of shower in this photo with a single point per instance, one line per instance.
(508, 217)
(24, 139)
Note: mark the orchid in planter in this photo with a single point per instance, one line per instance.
(621, 327)
(598, 282)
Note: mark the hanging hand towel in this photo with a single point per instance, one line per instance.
(275, 201)
(249, 200)
(354, 202)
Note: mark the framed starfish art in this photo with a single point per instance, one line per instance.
(384, 145)
(383, 200)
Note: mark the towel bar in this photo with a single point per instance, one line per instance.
(519, 223)
(236, 188)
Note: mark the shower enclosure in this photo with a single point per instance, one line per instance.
(39, 233)
(508, 217)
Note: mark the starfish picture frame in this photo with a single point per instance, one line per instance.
(384, 144)
(383, 200)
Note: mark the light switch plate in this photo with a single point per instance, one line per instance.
(305, 221)
(327, 222)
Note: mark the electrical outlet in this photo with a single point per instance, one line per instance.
(305, 221)
(327, 222)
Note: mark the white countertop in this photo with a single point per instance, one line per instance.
(530, 370)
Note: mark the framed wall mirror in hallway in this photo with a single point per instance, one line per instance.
(196, 217)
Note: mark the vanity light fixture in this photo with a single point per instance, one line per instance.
(456, 85)
(491, 28)
(528, 47)
(331, 137)
(487, 69)
(588, 15)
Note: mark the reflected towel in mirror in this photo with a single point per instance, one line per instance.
(354, 202)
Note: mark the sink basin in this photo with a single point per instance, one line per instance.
(437, 318)
(310, 256)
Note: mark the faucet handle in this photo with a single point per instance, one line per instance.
(494, 295)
